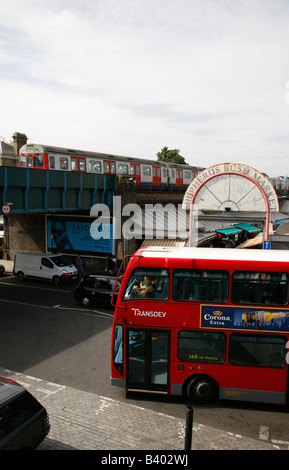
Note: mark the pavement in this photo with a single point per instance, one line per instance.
(85, 421)
(8, 265)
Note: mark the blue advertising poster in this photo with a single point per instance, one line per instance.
(244, 318)
(76, 235)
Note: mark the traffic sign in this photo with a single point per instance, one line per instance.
(267, 245)
(6, 209)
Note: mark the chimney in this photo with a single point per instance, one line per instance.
(18, 140)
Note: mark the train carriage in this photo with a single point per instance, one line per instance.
(145, 172)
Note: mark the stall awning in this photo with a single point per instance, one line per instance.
(228, 232)
(248, 228)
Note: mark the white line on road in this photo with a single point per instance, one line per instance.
(24, 303)
(264, 433)
(35, 287)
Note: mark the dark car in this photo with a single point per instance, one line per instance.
(2, 269)
(24, 422)
(96, 289)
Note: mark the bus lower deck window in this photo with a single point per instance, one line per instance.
(257, 350)
(201, 346)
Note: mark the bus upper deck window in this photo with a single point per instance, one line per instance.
(260, 287)
(200, 285)
(157, 278)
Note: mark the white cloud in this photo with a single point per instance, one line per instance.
(131, 76)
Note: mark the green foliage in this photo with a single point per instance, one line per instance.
(170, 156)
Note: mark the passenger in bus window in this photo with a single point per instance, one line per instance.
(145, 288)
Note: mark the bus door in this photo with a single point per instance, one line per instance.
(156, 175)
(135, 171)
(179, 177)
(147, 365)
(78, 164)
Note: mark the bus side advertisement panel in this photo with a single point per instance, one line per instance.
(244, 318)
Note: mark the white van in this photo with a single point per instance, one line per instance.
(55, 268)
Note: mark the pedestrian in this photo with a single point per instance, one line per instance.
(79, 266)
(114, 264)
(109, 264)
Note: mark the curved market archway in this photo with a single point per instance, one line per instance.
(259, 188)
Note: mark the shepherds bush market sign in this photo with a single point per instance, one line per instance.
(231, 185)
(244, 318)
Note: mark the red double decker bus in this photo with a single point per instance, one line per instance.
(209, 323)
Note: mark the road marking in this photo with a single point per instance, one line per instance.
(98, 314)
(36, 287)
(25, 303)
(60, 307)
(264, 433)
(85, 311)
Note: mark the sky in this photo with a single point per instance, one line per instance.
(129, 77)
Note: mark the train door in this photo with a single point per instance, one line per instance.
(156, 175)
(135, 171)
(109, 167)
(78, 164)
(179, 177)
(148, 359)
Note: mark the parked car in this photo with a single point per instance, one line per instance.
(96, 289)
(2, 269)
(24, 422)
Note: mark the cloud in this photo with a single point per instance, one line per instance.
(130, 77)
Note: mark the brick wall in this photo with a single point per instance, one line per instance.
(25, 232)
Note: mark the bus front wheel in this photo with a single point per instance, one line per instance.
(202, 389)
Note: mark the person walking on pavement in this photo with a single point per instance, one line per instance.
(79, 266)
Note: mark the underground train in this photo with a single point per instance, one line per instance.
(144, 172)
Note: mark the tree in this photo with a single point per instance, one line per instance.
(170, 156)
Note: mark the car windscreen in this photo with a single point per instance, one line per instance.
(60, 261)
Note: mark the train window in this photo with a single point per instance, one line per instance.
(123, 168)
(63, 163)
(93, 166)
(164, 173)
(109, 167)
(146, 171)
(173, 173)
(38, 160)
(29, 161)
(187, 175)
(73, 164)
(82, 165)
(51, 161)
(22, 160)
